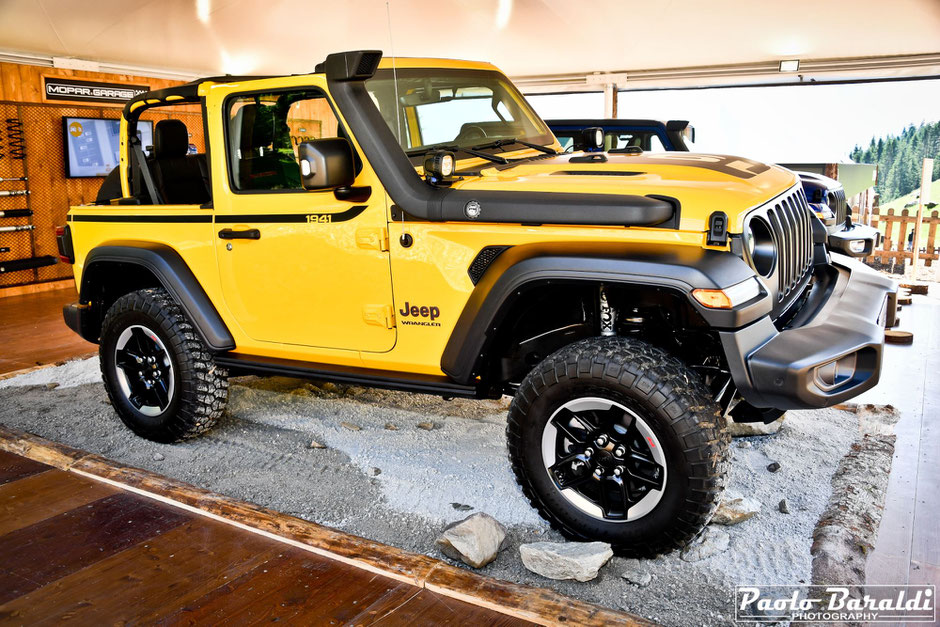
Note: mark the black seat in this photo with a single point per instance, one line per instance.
(180, 178)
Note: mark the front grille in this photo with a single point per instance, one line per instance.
(788, 217)
(838, 204)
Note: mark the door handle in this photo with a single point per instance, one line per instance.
(246, 234)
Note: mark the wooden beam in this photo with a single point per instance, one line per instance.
(538, 605)
(926, 175)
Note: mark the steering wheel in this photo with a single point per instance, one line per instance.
(470, 133)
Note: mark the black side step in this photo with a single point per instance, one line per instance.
(425, 384)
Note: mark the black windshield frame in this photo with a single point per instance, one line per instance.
(382, 88)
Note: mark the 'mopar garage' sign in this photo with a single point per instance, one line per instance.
(68, 89)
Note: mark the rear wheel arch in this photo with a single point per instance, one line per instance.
(115, 269)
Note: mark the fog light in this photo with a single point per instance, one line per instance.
(593, 138)
(833, 374)
(439, 165)
(857, 245)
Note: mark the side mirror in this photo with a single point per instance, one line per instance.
(326, 163)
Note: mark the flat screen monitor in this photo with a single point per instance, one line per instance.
(92, 145)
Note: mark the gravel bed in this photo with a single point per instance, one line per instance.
(383, 476)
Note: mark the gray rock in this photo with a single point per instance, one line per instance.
(460, 507)
(315, 444)
(783, 506)
(427, 426)
(566, 560)
(391, 426)
(747, 429)
(350, 426)
(773, 466)
(712, 542)
(635, 572)
(735, 508)
(475, 540)
(158, 457)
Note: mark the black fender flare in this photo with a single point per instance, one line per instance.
(679, 268)
(174, 276)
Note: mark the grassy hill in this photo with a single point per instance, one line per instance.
(898, 203)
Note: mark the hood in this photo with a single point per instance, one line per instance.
(660, 187)
(702, 183)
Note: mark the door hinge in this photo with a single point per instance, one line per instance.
(379, 315)
(372, 237)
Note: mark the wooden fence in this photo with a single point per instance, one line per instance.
(897, 229)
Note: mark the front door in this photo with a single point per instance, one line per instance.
(299, 267)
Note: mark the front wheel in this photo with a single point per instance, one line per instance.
(615, 440)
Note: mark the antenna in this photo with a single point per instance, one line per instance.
(391, 49)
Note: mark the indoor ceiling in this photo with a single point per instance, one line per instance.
(558, 41)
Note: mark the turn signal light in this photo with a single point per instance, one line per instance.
(713, 299)
(729, 297)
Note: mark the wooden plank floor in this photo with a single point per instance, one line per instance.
(33, 333)
(908, 546)
(77, 549)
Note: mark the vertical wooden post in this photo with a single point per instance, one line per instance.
(610, 100)
(925, 178)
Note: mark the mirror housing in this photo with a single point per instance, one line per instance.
(326, 163)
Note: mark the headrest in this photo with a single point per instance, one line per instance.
(170, 139)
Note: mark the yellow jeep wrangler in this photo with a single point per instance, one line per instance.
(412, 224)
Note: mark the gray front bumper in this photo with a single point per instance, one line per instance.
(786, 369)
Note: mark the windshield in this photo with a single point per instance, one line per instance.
(463, 108)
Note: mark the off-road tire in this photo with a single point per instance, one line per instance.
(201, 387)
(672, 400)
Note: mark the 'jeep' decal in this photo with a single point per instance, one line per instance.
(422, 316)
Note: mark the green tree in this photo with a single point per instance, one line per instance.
(899, 158)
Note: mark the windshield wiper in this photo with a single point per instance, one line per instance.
(499, 143)
(453, 148)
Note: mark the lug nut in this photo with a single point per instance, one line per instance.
(588, 452)
(601, 441)
(598, 471)
(620, 451)
(618, 471)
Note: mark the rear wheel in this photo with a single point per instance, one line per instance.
(612, 439)
(161, 379)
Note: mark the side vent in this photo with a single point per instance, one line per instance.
(483, 260)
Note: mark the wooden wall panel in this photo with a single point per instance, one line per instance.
(51, 191)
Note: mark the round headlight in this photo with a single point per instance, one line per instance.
(761, 246)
